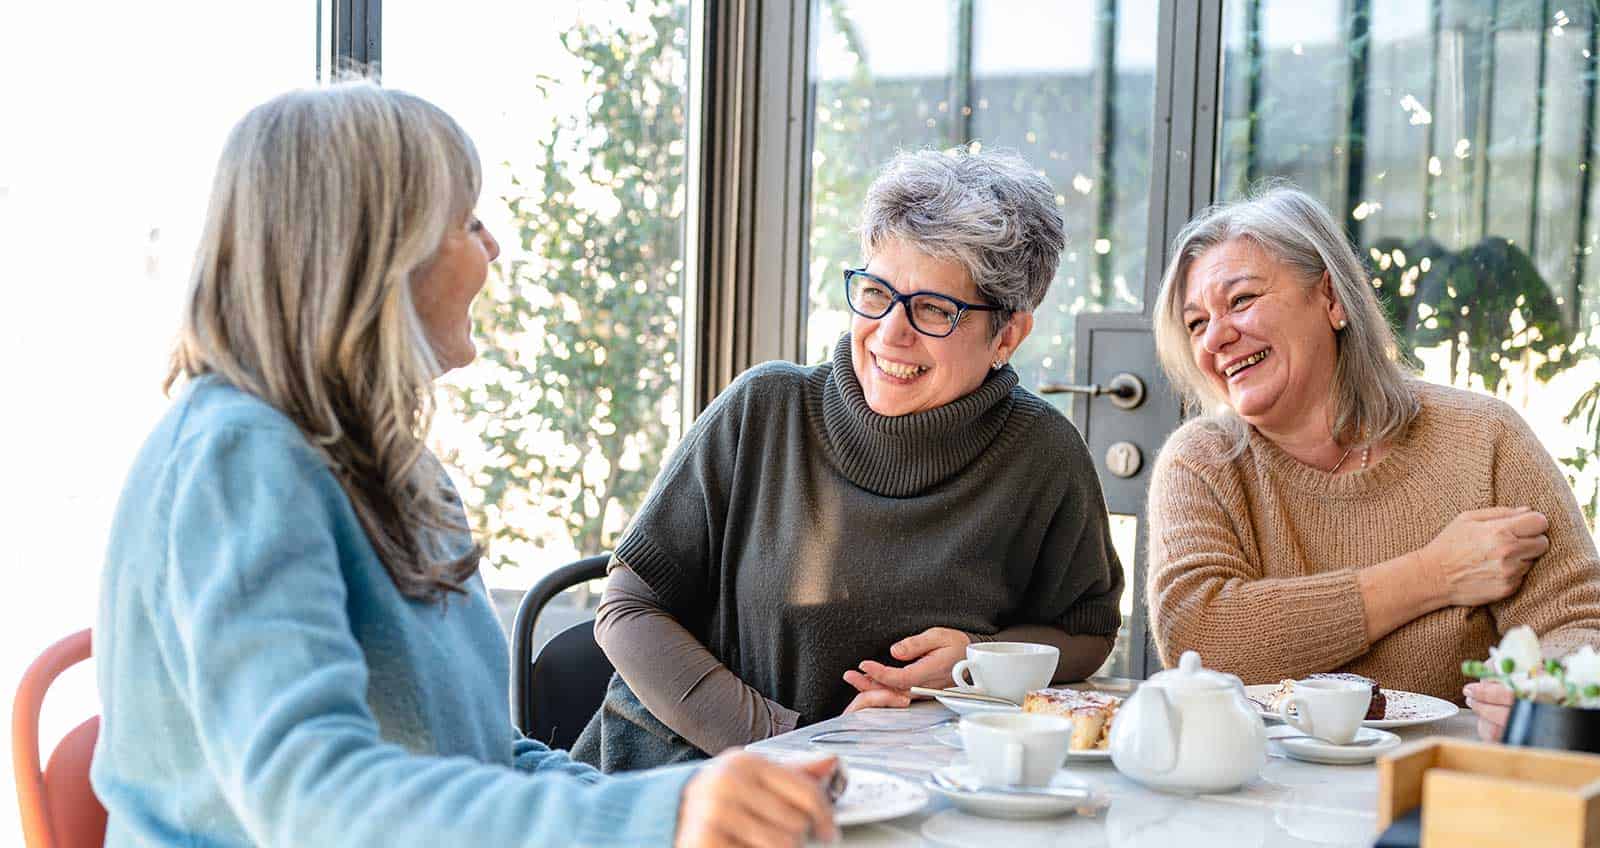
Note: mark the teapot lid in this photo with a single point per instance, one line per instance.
(1189, 676)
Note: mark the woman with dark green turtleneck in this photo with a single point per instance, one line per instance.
(825, 538)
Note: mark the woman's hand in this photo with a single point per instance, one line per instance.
(931, 654)
(740, 798)
(1491, 701)
(1482, 555)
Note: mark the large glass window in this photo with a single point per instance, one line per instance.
(114, 118)
(1070, 86)
(1456, 140)
(578, 111)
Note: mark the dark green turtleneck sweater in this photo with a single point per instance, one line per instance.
(795, 532)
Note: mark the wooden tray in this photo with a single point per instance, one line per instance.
(1480, 794)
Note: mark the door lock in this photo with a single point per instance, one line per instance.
(1124, 459)
(1125, 390)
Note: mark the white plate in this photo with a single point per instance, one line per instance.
(1006, 806)
(873, 796)
(1403, 709)
(950, 737)
(965, 707)
(1378, 742)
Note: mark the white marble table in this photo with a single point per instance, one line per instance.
(1292, 803)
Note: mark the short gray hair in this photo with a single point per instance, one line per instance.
(1373, 397)
(989, 212)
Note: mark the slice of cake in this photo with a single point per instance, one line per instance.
(1377, 707)
(1091, 714)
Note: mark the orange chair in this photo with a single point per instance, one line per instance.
(59, 809)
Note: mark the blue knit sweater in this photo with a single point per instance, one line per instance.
(265, 683)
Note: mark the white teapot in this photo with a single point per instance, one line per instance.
(1189, 729)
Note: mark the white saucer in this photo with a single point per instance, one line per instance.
(1317, 751)
(965, 707)
(1006, 806)
(873, 796)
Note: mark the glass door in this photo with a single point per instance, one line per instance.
(1456, 139)
(1068, 84)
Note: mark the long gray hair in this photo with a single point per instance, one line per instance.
(326, 203)
(1373, 400)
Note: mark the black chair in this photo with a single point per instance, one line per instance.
(554, 694)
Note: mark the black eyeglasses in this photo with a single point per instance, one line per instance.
(931, 313)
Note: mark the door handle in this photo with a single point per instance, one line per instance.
(1125, 390)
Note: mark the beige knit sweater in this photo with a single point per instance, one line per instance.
(1253, 560)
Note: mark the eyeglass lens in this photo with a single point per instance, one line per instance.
(930, 314)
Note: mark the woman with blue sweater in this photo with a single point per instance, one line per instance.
(294, 645)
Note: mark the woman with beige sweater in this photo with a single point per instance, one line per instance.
(1330, 512)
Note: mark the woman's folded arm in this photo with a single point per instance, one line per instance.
(675, 676)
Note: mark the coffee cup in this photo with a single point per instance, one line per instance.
(1008, 670)
(1016, 749)
(1330, 710)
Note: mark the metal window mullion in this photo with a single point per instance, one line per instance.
(960, 97)
(1104, 148)
(1183, 159)
(357, 36)
(750, 254)
(1359, 30)
(1184, 144)
(1591, 62)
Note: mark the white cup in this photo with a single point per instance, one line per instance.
(1330, 710)
(1007, 669)
(1011, 749)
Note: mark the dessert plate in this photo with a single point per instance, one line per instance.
(1404, 709)
(1369, 744)
(874, 796)
(962, 706)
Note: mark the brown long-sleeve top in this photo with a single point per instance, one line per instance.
(1253, 560)
(682, 684)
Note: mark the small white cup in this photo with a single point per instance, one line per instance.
(1330, 710)
(1012, 749)
(1007, 669)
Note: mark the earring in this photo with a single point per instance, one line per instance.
(1341, 324)
(998, 364)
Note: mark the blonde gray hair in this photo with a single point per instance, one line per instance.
(326, 203)
(1373, 400)
(989, 212)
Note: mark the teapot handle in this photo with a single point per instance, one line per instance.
(1156, 732)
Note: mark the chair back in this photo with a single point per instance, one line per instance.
(59, 808)
(555, 692)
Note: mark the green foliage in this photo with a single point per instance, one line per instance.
(583, 335)
(1587, 410)
(1487, 300)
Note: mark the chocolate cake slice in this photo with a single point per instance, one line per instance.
(1377, 708)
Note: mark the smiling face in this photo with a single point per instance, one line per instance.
(902, 371)
(1261, 336)
(444, 290)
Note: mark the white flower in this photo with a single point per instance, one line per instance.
(1537, 686)
(1521, 647)
(1583, 667)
